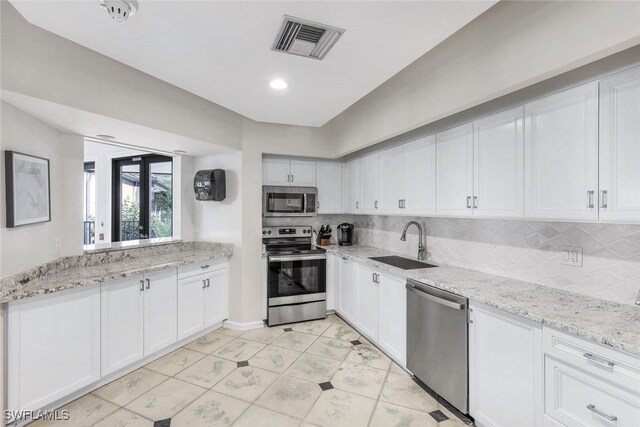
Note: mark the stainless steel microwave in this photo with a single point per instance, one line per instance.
(289, 201)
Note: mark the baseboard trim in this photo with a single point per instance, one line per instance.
(243, 326)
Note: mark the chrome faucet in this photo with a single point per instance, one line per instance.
(422, 249)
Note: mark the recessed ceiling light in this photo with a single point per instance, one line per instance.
(278, 84)
(106, 136)
(179, 152)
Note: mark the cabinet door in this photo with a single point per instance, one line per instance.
(275, 171)
(190, 306)
(216, 297)
(420, 176)
(505, 369)
(498, 143)
(392, 173)
(620, 146)
(455, 171)
(303, 173)
(367, 318)
(53, 346)
(561, 155)
(160, 317)
(122, 305)
(370, 184)
(392, 317)
(329, 183)
(353, 187)
(349, 290)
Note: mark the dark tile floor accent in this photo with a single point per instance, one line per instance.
(287, 329)
(243, 363)
(356, 342)
(326, 386)
(162, 423)
(438, 415)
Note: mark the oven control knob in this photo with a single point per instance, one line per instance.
(269, 232)
(264, 232)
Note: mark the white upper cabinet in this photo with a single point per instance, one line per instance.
(276, 171)
(620, 147)
(370, 184)
(561, 155)
(498, 143)
(281, 171)
(420, 177)
(352, 187)
(392, 185)
(329, 180)
(455, 171)
(303, 173)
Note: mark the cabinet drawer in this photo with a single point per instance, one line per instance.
(190, 270)
(575, 398)
(615, 366)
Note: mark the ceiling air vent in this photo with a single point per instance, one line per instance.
(306, 38)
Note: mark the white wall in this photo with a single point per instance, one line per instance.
(511, 46)
(43, 65)
(222, 221)
(28, 246)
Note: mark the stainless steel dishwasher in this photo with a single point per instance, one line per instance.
(437, 342)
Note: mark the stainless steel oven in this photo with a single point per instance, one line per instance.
(289, 201)
(296, 276)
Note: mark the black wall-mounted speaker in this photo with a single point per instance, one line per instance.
(210, 184)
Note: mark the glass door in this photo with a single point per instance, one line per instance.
(142, 205)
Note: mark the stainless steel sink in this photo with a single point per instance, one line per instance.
(403, 263)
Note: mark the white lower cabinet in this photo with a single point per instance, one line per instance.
(63, 342)
(392, 317)
(367, 318)
(202, 299)
(588, 384)
(374, 303)
(505, 369)
(122, 330)
(53, 346)
(160, 324)
(348, 290)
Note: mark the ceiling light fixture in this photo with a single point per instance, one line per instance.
(278, 84)
(119, 10)
(106, 136)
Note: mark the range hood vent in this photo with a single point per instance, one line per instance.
(306, 38)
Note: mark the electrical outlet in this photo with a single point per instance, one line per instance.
(572, 255)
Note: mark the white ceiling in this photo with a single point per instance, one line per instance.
(221, 50)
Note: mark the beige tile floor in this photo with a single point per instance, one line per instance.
(264, 377)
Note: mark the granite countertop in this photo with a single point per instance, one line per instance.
(613, 324)
(82, 270)
(129, 244)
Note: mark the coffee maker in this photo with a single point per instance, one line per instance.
(345, 234)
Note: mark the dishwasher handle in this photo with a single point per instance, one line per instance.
(451, 304)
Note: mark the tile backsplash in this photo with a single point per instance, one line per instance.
(525, 250)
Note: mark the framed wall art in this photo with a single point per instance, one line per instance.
(28, 189)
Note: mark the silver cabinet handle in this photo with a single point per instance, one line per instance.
(208, 283)
(603, 199)
(468, 202)
(141, 285)
(599, 360)
(357, 205)
(204, 283)
(377, 278)
(595, 410)
(204, 266)
(475, 202)
(373, 277)
(399, 203)
(148, 283)
(317, 205)
(403, 203)
(375, 204)
(590, 199)
(433, 298)
(292, 178)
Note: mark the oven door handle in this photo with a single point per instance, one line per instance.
(296, 258)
